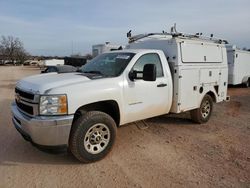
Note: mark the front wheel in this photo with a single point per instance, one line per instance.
(203, 113)
(92, 136)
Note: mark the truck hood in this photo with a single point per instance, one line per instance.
(40, 84)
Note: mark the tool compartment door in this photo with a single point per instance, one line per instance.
(197, 52)
(188, 89)
(209, 75)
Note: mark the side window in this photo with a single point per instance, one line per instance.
(149, 59)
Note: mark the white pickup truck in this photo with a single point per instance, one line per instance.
(82, 110)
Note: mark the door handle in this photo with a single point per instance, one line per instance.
(162, 85)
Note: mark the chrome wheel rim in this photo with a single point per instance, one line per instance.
(205, 109)
(97, 138)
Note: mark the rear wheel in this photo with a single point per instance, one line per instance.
(92, 136)
(203, 113)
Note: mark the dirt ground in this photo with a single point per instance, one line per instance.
(171, 152)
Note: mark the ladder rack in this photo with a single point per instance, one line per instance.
(175, 35)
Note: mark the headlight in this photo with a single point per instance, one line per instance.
(53, 105)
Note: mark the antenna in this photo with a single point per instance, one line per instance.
(129, 34)
(211, 36)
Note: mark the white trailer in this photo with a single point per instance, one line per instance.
(52, 62)
(198, 66)
(238, 66)
(101, 48)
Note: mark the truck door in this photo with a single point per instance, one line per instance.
(146, 99)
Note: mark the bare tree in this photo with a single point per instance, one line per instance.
(11, 48)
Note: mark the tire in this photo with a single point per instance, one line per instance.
(203, 113)
(92, 136)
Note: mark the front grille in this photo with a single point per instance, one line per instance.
(25, 108)
(25, 94)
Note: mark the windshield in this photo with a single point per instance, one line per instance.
(108, 64)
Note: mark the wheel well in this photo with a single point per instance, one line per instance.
(212, 95)
(109, 107)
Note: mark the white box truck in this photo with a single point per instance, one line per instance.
(238, 66)
(83, 110)
(98, 49)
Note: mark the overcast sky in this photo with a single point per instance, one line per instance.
(50, 27)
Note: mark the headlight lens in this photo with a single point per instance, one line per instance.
(53, 105)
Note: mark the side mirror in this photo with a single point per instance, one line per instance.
(132, 75)
(149, 72)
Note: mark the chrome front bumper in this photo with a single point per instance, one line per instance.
(44, 131)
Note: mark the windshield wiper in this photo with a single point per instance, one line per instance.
(93, 72)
